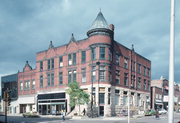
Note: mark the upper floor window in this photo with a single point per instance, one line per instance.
(126, 79)
(149, 85)
(144, 71)
(102, 73)
(110, 54)
(149, 72)
(83, 56)
(33, 84)
(93, 53)
(41, 65)
(41, 81)
(27, 85)
(139, 68)
(139, 82)
(83, 72)
(50, 64)
(61, 61)
(61, 78)
(72, 59)
(134, 66)
(145, 86)
(50, 77)
(117, 59)
(102, 52)
(69, 59)
(117, 81)
(21, 85)
(72, 76)
(126, 63)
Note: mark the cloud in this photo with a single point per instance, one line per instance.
(26, 27)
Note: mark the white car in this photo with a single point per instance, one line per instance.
(162, 111)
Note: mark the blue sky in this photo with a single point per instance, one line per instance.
(27, 26)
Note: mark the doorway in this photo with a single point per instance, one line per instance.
(101, 110)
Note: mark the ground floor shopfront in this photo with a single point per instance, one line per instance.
(109, 101)
(53, 103)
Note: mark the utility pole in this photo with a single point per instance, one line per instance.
(171, 66)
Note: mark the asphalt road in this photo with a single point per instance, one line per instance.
(150, 119)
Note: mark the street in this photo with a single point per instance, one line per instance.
(49, 119)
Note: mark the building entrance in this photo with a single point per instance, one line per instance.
(51, 103)
(101, 110)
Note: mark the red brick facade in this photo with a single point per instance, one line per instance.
(121, 65)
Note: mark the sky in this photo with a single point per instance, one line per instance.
(27, 27)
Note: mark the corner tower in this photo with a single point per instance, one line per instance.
(101, 27)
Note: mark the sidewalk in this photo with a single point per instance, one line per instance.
(105, 118)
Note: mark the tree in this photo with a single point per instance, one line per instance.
(77, 95)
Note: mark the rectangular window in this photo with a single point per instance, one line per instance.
(61, 78)
(74, 76)
(74, 58)
(126, 63)
(134, 66)
(126, 79)
(27, 85)
(41, 65)
(102, 52)
(52, 63)
(117, 59)
(83, 57)
(149, 85)
(83, 73)
(33, 84)
(110, 74)
(41, 81)
(117, 81)
(52, 79)
(49, 79)
(149, 72)
(102, 73)
(21, 85)
(144, 71)
(110, 54)
(49, 64)
(61, 61)
(101, 98)
(139, 82)
(139, 68)
(93, 53)
(69, 76)
(69, 59)
(93, 74)
(145, 84)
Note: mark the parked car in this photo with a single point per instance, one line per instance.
(162, 111)
(150, 112)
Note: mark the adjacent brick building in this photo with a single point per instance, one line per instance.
(113, 69)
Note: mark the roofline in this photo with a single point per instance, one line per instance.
(133, 51)
(62, 45)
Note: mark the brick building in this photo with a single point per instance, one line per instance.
(113, 69)
(159, 94)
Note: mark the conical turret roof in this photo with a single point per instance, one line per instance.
(100, 22)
